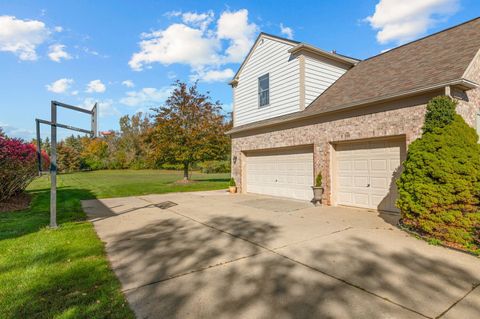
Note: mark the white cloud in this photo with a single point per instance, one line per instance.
(105, 107)
(403, 21)
(57, 53)
(198, 42)
(146, 96)
(16, 132)
(22, 37)
(96, 86)
(286, 31)
(213, 75)
(60, 86)
(201, 20)
(178, 43)
(58, 29)
(128, 83)
(172, 14)
(234, 26)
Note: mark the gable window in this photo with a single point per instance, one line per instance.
(264, 90)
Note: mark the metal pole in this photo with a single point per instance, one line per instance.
(39, 150)
(53, 168)
(94, 120)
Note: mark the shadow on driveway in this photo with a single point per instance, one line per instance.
(174, 266)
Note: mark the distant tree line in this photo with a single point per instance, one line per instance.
(187, 132)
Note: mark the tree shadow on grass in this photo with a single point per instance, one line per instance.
(166, 271)
(19, 223)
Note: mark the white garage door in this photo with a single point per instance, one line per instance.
(366, 173)
(281, 173)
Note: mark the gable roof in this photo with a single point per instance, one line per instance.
(296, 47)
(428, 63)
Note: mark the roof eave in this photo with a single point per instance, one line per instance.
(462, 84)
(303, 47)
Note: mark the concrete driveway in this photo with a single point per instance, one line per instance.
(215, 255)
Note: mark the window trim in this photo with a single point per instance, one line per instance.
(267, 90)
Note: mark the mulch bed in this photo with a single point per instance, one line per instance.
(448, 245)
(18, 202)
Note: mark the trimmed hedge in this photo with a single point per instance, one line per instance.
(439, 188)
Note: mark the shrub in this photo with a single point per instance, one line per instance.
(215, 167)
(439, 189)
(318, 180)
(18, 166)
(440, 112)
(232, 182)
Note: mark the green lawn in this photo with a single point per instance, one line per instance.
(64, 273)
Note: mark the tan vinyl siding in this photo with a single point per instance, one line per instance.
(270, 57)
(319, 75)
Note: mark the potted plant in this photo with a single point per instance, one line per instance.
(232, 187)
(317, 190)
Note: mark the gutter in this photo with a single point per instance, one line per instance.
(460, 83)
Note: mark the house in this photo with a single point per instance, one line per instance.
(299, 111)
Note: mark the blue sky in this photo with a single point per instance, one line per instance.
(126, 54)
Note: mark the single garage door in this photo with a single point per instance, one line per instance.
(366, 173)
(286, 173)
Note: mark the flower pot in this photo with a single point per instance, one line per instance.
(232, 189)
(317, 195)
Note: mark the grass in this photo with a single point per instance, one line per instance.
(64, 273)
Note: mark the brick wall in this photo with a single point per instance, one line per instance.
(398, 118)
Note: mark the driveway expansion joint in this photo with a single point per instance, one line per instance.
(190, 272)
(313, 238)
(474, 286)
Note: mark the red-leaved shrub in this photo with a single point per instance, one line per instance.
(18, 166)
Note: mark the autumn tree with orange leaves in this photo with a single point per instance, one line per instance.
(188, 128)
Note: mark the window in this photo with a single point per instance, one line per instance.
(263, 90)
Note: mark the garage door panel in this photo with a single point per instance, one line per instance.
(360, 181)
(368, 182)
(281, 173)
(379, 182)
(359, 165)
(345, 181)
(361, 199)
(379, 164)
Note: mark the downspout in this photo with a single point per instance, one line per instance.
(448, 91)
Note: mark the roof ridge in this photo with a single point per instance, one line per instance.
(278, 37)
(420, 39)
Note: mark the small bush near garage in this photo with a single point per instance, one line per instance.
(439, 189)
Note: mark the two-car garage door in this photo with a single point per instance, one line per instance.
(284, 173)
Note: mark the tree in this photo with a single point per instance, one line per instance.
(68, 158)
(439, 189)
(189, 128)
(132, 132)
(95, 153)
